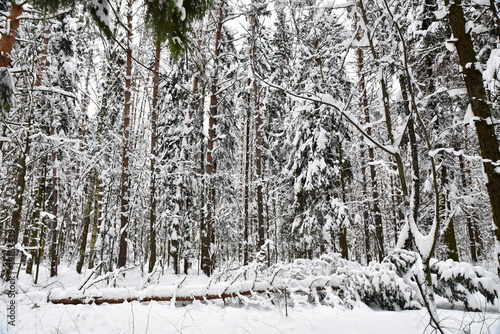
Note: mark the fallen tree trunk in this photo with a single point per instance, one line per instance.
(121, 295)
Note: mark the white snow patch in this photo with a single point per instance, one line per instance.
(457, 91)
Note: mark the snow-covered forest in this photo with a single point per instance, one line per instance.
(324, 154)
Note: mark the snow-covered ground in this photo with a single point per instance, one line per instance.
(35, 315)
(157, 317)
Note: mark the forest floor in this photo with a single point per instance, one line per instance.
(33, 314)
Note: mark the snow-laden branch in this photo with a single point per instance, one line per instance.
(328, 100)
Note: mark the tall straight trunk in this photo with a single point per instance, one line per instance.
(379, 228)
(35, 230)
(413, 148)
(154, 155)
(471, 231)
(343, 229)
(193, 107)
(485, 125)
(449, 233)
(207, 233)
(258, 138)
(8, 38)
(97, 219)
(366, 216)
(55, 210)
(86, 221)
(77, 197)
(125, 176)
(8, 255)
(246, 190)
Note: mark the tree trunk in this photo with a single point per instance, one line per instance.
(207, 233)
(97, 219)
(246, 191)
(379, 228)
(449, 233)
(154, 156)
(258, 138)
(343, 229)
(86, 222)
(34, 242)
(413, 149)
(9, 255)
(8, 38)
(485, 128)
(471, 232)
(125, 176)
(55, 210)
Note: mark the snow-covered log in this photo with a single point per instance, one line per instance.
(189, 293)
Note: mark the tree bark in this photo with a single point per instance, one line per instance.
(343, 229)
(246, 191)
(379, 227)
(34, 242)
(86, 222)
(125, 176)
(9, 255)
(207, 233)
(97, 219)
(471, 231)
(154, 156)
(258, 137)
(488, 141)
(55, 210)
(413, 149)
(7, 40)
(449, 233)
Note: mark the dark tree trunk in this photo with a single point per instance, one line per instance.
(154, 155)
(246, 192)
(379, 227)
(86, 222)
(343, 229)
(258, 138)
(55, 211)
(125, 177)
(413, 148)
(485, 128)
(471, 231)
(9, 255)
(207, 233)
(449, 233)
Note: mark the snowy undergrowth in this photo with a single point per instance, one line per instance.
(305, 296)
(390, 285)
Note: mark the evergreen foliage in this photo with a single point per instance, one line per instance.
(172, 21)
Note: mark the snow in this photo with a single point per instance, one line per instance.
(34, 314)
(482, 2)
(457, 91)
(469, 117)
(160, 317)
(450, 44)
(101, 11)
(492, 66)
(441, 13)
